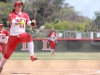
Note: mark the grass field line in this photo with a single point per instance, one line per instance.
(58, 55)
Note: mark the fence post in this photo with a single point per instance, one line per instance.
(91, 35)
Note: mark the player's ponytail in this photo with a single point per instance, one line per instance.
(13, 10)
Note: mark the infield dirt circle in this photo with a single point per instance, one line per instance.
(52, 67)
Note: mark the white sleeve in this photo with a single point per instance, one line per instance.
(7, 37)
(29, 23)
(13, 22)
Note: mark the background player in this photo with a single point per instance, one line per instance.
(52, 39)
(18, 21)
(3, 39)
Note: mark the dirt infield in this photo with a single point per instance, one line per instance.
(52, 67)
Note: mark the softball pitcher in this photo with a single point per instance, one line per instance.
(17, 34)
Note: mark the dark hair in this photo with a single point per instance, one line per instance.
(13, 10)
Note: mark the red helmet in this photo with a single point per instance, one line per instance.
(1, 25)
(17, 3)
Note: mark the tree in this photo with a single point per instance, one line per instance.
(66, 25)
(3, 0)
(96, 22)
(46, 10)
(5, 8)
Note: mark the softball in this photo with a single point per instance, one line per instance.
(22, 22)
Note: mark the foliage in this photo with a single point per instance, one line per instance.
(66, 25)
(47, 11)
(5, 8)
(44, 10)
(96, 22)
(3, 0)
(51, 13)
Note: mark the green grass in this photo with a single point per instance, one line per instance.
(58, 56)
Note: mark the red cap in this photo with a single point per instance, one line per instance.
(1, 25)
(17, 3)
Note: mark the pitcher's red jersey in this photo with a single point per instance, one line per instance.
(17, 17)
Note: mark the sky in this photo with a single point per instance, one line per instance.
(86, 7)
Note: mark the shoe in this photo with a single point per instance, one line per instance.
(33, 58)
(1, 69)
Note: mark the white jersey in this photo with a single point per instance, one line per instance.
(17, 17)
(52, 36)
(3, 36)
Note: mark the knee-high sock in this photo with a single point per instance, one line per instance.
(52, 50)
(30, 46)
(3, 61)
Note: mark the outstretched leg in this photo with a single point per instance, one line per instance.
(25, 37)
(31, 50)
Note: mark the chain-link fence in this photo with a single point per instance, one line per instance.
(64, 34)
